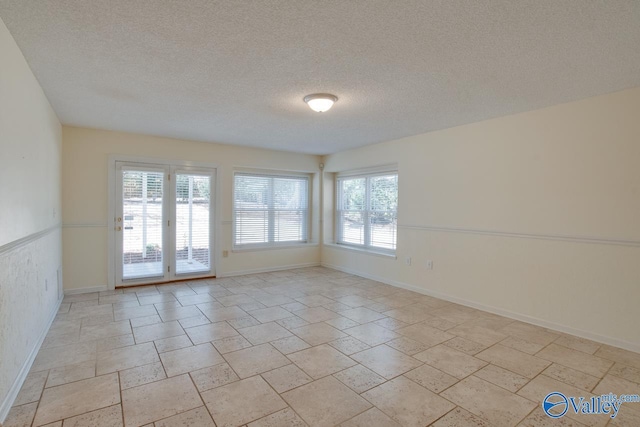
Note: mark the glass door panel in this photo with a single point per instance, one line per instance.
(142, 224)
(193, 223)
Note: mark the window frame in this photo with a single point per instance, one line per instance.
(271, 174)
(366, 175)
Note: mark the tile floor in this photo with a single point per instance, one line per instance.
(302, 347)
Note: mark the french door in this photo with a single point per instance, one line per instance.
(164, 222)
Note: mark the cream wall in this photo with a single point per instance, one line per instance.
(85, 199)
(534, 215)
(30, 242)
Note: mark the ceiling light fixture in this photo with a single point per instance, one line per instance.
(320, 102)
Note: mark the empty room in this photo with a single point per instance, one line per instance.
(353, 213)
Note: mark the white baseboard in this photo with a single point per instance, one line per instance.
(627, 345)
(85, 290)
(5, 407)
(218, 274)
(267, 269)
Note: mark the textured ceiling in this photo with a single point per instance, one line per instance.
(236, 71)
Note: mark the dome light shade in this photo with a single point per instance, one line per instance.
(320, 102)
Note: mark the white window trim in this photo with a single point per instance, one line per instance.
(361, 173)
(271, 245)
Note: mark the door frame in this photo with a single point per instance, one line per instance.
(112, 161)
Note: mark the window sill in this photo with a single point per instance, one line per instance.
(362, 250)
(274, 247)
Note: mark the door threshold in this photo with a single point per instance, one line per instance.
(163, 282)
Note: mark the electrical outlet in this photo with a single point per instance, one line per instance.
(429, 265)
(407, 260)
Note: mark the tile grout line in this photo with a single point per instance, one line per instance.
(121, 398)
(40, 399)
(279, 395)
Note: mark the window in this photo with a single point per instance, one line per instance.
(367, 211)
(270, 209)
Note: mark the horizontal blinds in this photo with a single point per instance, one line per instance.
(251, 205)
(270, 209)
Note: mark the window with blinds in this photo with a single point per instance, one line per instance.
(366, 211)
(270, 209)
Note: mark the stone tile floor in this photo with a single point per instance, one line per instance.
(313, 347)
